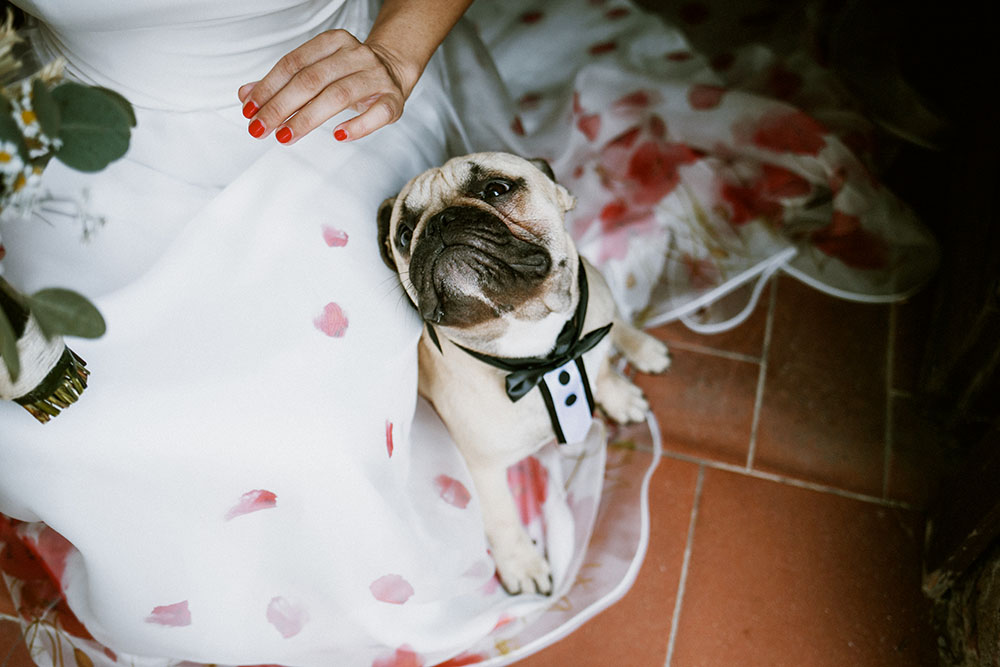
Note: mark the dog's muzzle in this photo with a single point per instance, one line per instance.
(468, 267)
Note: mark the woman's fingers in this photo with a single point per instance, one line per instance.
(313, 83)
(384, 110)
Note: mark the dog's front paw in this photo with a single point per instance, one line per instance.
(621, 400)
(650, 355)
(521, 568)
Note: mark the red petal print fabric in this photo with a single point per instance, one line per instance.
(333, 321)
(389, 446)
(788, 131)
(653, 168)
(640, 99)
(252, 501)
(333, 237)
(41, 594)
(782, 183)
(452, 491)
(703, 96)
(528, 480)
(763, 199)
(590, 125)
(463, 659)
(403, 657)
(641, 164)
(532, 17)
(845, 239)
(391, 588)
(746, 203)
(602, 48)
(173, 615)
(286, 617)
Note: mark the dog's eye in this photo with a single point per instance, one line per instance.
(495, 189)
(404, 236)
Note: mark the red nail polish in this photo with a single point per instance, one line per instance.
(250, 109)
(340, 134)
(284, 135)
(256, 129)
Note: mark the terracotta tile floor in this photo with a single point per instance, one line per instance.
(787, 512)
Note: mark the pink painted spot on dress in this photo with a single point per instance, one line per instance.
(452, 491)
(174, 615)
(335, 238)
(529, 482)
(786, 131)
(639, 99)
(287, 618)
(463, 659)
(388, 437)
(602, 47)
(333, 321)
(391, 588)
(590, 125)
(403, 657)
(704, 96)
(252, 501)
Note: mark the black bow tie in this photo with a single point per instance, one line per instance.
(524, 374)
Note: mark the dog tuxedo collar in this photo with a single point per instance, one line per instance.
(560, 375)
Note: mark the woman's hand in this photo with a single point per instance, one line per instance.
(328, 74)
(334, 71)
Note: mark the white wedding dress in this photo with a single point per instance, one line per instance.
(250, 477)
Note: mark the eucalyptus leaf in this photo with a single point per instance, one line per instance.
(120, 100)
(45, 108)
(8, 347)
(94, 127)
(64, 312)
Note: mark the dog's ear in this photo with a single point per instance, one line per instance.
(566, 199)
(384, 219)
(544, 166)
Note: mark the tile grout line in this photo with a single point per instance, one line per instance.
(685, 566)
(711, 351)
(890, 371)
(758, 400)
(788, 481)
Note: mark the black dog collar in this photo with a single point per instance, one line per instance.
(562, 367)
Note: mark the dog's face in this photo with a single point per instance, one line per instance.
(480, 246)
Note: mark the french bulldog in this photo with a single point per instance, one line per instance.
(516, 322)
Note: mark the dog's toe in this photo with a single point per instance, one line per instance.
(522, 569)
(652, 356)
(622, 401)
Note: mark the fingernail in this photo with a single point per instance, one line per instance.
(256, 129)
(284, 135)
(250, 109)
(340, 134)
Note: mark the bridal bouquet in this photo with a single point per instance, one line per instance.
(43, 117)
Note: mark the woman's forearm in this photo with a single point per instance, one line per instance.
(409, 31)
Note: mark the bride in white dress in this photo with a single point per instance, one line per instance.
(250, 477)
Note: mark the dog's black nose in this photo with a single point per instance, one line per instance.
(442, 219)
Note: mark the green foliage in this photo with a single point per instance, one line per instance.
(8, 347)
(84, 127)
(63, 312)
(94, 127)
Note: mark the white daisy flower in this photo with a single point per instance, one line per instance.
(10, 159)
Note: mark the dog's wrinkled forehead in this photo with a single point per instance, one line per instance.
(476, 176)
